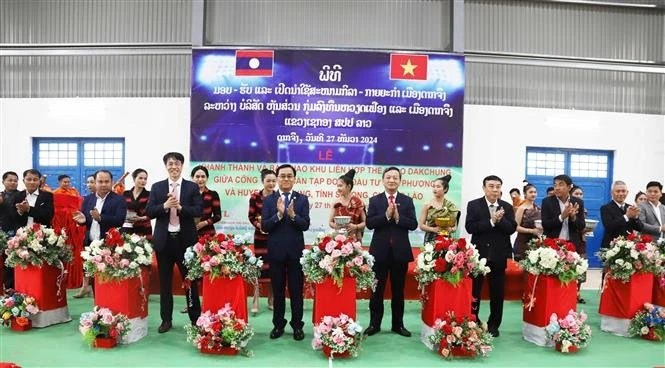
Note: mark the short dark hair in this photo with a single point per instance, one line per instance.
(549, 189)
(492, 177)
(514, 190)
(564, 178)
(202, 168)
(174, 155)
(391, 168)
(6, 174)
(266, 172)
(63, 176)
(649, 184)
(103, 171)
(136, 173)
(348, 177)
(285, 166)
(33, 172)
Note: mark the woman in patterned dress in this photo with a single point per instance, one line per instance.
(348, 204)
(212, 210)
(137, 221)
(269, 180)
(439, 206)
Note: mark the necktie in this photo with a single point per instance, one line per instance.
(173, 213)
(286, 199)
(391, 198)
(623, 208)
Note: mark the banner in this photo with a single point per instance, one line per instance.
(325, 112)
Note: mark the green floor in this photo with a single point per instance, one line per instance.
(62, 346)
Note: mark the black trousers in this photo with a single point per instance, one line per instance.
(496, 280)
(7, 275)
(172, 254)
(397, 271)
(280, 272)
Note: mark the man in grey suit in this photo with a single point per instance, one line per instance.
(652, 212)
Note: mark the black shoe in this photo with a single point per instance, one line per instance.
(165, 326)
(277, 333)
(401, 331)
(494, 332)
(371, 330)
(298, 334)
(581, 300)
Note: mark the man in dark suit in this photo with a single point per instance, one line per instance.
(652, 212)
(285, 216)
(491, 221)
(174, 203)
(33, 205)
(7, 222)
(563, 215)
(391, 215)
(617, 216)
(102, 210)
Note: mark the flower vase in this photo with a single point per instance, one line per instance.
(458, 351)
(651, 335)
(328, 352)
(21, 326)
(571, 349)
(105, 342)
(223, 350)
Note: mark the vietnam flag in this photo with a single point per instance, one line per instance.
(408, 66)
(254, 63)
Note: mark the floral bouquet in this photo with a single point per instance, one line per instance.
(629, 255)
(554, 257)
(33, 245)
(15, 306)
(649, 323)
(337, 256)
(338, 336)
(449, 259)
(220, 255)
(220, 330)
(118, 256)
(102, 323)
(570, 333)
(457, 336)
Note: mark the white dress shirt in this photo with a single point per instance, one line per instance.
(175, 228)
(565, 231)
(32, 199)
(95, 229)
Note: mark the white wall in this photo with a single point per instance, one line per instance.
(150, 126)
(638, 142)
(495, 137)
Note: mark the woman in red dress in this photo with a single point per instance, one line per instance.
(212, 210)
(348, 204)
(269, 180)
(137, 221)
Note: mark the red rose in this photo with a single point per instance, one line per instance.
(447, 329)
(221, 237)
(440, 265)
(461, 244)
(647, 238)
(549, 242)
(36, 227)
(113, 333)
(631, 236)
(439, 246)
(640, 246)
(570, 247)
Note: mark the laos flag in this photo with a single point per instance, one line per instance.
(254, 63)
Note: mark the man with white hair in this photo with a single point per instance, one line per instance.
(619, 218)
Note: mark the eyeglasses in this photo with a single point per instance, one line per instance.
(284, 177)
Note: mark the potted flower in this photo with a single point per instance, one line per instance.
(648, 323)
(220, 255)
(338, 336)
(337, 256)
(630, 255)
(449, 259)
(456, 336)
(220, 332)
(570, 333)
(102, 329)
(554, 257)
(37, 244)
(117, 256)
(15, 309)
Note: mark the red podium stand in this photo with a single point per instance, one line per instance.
(48, 286)
(623, 300)
(129, 296)
(221, 290)
(441, 297)
(549, 296)
(331, 300)
(658, 292)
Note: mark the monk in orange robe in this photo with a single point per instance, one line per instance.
(66, 201)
